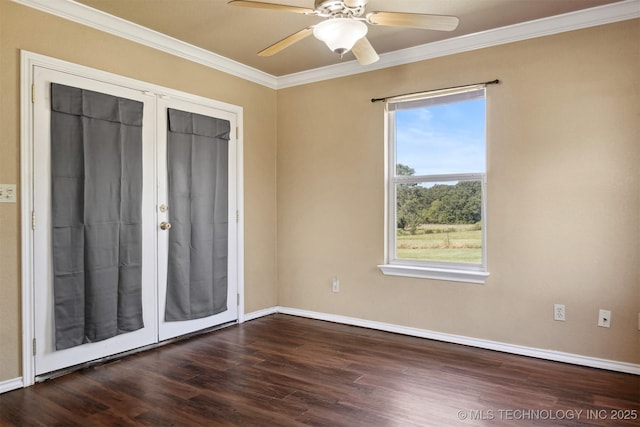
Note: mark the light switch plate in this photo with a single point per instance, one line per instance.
(7, 193)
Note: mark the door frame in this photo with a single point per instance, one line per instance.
(29, 61)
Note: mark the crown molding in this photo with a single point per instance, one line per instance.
(82, 14)
(622, 11)
(85, 15)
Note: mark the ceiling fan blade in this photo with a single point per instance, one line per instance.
(414, 20)
(286, 42)
(364, 52)
(272, 6)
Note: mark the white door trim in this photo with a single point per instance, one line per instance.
(29, 61)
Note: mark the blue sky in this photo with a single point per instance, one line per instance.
(442, 139)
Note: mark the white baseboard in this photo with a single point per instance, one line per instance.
(260, 313)
(556, 356)
(10, 385)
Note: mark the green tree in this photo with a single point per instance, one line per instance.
(410, 207)
(455, 204)
(460, 203)
(404, 170)
(409, 204)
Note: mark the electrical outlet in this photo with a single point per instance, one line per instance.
(604, 318)
(558, 312)
(7, 193)
(335, 286)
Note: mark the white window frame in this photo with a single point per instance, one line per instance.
(440, 270)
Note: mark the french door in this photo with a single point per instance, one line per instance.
(162, 268)
(168, 198)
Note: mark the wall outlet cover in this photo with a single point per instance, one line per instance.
(604, 318)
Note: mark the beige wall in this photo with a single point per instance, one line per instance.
(24, 28)
(563, 196)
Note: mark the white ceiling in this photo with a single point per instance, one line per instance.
(238, 33)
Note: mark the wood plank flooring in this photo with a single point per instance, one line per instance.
(288, 371)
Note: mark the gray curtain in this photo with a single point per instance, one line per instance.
(96, 167)
(197, 154)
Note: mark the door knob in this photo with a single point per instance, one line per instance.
(165, 225)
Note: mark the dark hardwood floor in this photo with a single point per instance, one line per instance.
(287, 371)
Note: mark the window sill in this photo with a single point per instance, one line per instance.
(434, 273)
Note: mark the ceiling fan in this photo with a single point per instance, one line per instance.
(344, 27)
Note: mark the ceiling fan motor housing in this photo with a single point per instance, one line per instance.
(340, 8)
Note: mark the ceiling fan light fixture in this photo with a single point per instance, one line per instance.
(340, 34)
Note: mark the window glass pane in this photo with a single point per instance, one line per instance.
(439, 221)
(442, 138)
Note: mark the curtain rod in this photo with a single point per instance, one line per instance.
(492, 82)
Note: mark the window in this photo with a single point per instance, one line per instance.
(436, 186)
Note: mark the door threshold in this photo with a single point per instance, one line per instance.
(117, 357)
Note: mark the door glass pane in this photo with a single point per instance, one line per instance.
(96, 172)
(197, 166)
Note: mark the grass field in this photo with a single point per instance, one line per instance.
(441, 242)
